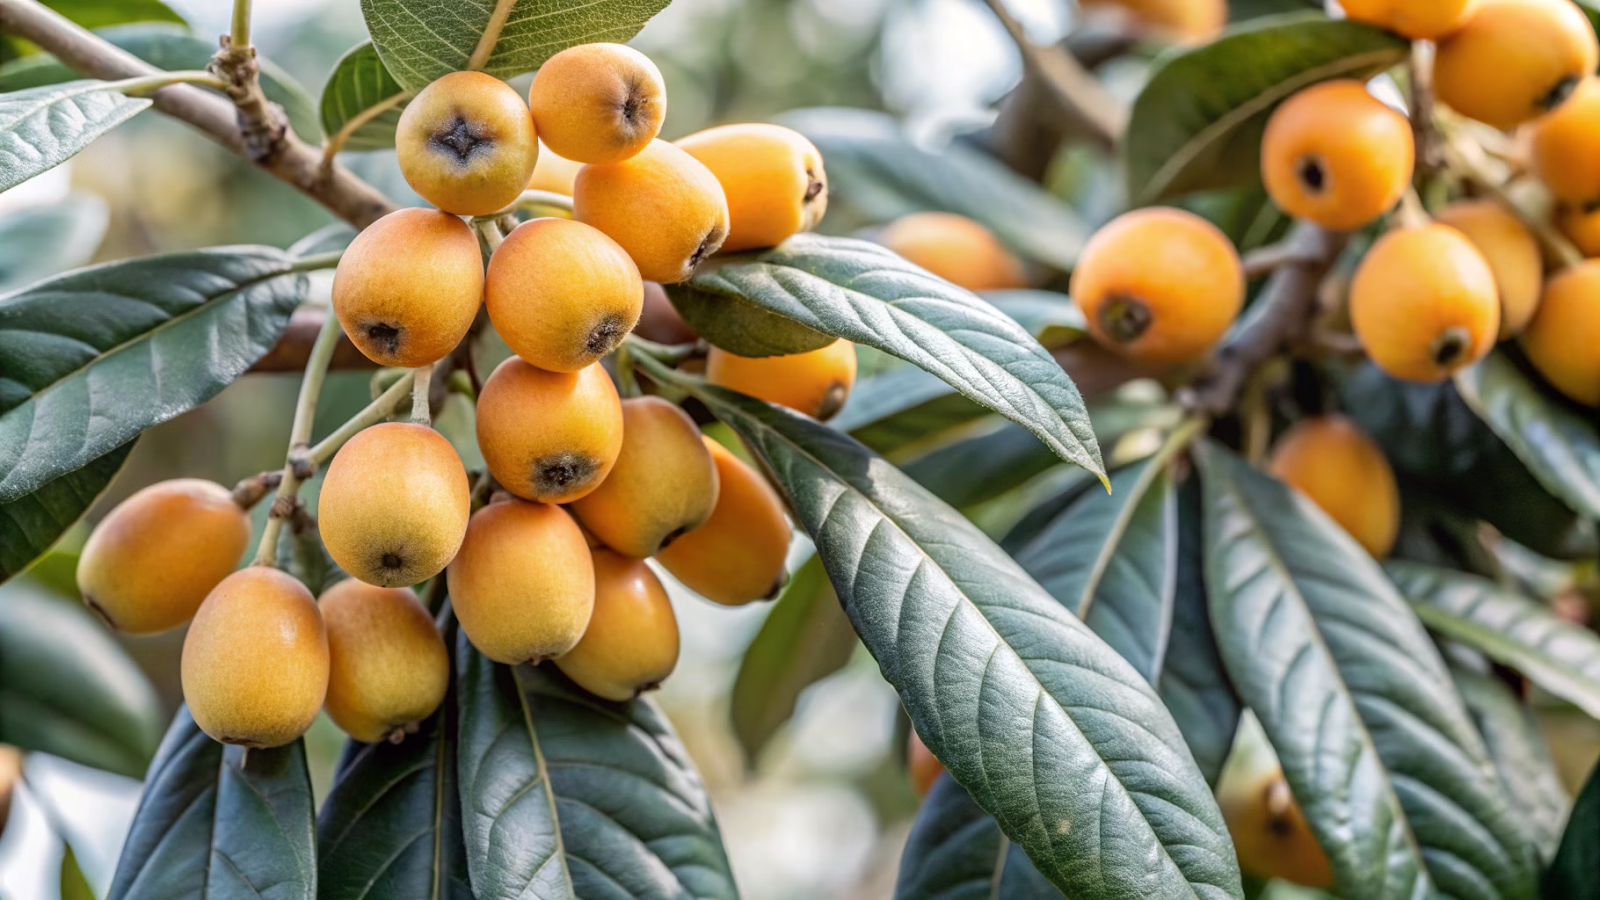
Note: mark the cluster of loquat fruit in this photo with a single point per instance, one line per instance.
(590, 485)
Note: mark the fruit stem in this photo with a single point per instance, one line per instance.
(671, 354)
(296, 467)
(147, 83)
(375, 412)
(239, 37)
(1411, 213)
(626, 379)
(421, 380)
(317, 261)
(529, 200)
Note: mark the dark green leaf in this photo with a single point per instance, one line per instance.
(106, 352)
(72, 883)
(40, 241)
(905, 405)
(68, 688)
(99, 13)
(981, 467)
(301, 554)
(564, 795)
(876, 173)
(1198, 121)
(1245, 214)
(31, 524)
(1559, 656)
(738, 326)
(1572, 873)
(864, 293)
(804, 639)
(1053, 319)
(1560, 447)
(956, 852)
(1520, 755)
(219, 823)
(1372, 736)
(360, 87)
(1111, 559)
(42, 128)
(420, 40)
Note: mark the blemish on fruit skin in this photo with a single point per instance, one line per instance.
(605, 336)
(560, 473)
(461, 139)
(384, 337)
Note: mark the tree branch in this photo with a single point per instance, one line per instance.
(1083, 100)
(247, 130)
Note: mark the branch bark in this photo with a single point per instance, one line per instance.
(1088, 107)
(253, 129)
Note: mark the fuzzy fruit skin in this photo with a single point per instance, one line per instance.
(816, 382)
(924, 767)
(598, 103)
(1343, 472)
(1334, 154)
(664, 482)
(554, 173)
(955, 248)
(1182, 21)
(1514, 60)
(1418, 288)
(562, 294)
(152, 561)
(1163, 314)
(394, 504)
(1420, 21)
(1511, 251)
(663, 206)
(255, 660)
(738, 555)
(523, 585)
(467, 144)
(773, 179)
(1581, 228)
(10, 774)
(387, 666)
(409, 286)
(1563, 338)
(549, 437)
(1565, 146)
(1269, 830)
(631, 644)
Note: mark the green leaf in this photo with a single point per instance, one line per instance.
(564, 795)
(998, 678)
(217, 823)
(32, 523)
(360, 87)
(904, 406)
(71, 881)
(1520, 755)
(738, 326)
(1053, 319)
(1111, 559)
(1560, 446)
(106, 352)
(956, 852)
(877, 173)
(1372, 736)
(866, 294)
(40, 241)
(1571, 875)
(173, 50)
(44, 127)
(302, 554)
(981, 467)
(100, 13)
(804, 639)
(1555, 654)
(421, 40)
(69, 689)
(1198, 121)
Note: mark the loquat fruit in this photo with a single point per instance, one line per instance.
(1331, 461)
(598, 103)
(773, 179)
(816, 382)
(1511, 251)
(1183, 21)
(550, 437)
(663, 484)
(660, 321)
(408, 287)
(955, 248)
(1424, 303)
(467, 144)
(1269, 829)
(1419, 20)
(10, 774)
(387, 665)
(663, 206)
(925, 768)
(562, 294)
(1565, 147)
(738, 555)
(255, 660)
(1159, 285)
(631, 644)
(554, 173)
(153, 559)
(1514, 60)
(1563, 340)
(1582, 228)
(1336, 155)
(523, 585)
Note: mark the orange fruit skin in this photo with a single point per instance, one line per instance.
(1421, 21)
(387, 665)
(925, 768)
(816, 382)
(1182, 21)
(1415, 286)
(631, 644)
(1582, 228)
(1565, 146)
(1514, 60)
(772, 176)
(738, 555)
(1512, 253)
(955, 248)
(153, 559)
(1335, 155)
(408, 287)
(663, 206)
(550, 437)
(1270, 833)
(598, 103)
(1188, 300)
(467, 144)
(1563, 340)
(554, 173)
(1343, 472)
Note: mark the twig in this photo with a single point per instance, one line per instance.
(1080, 97)
(530, 199)
(1419, 72)
(375, 412)
(421, 380)
(1468, 158)
(1263, 261)
(297, 468)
